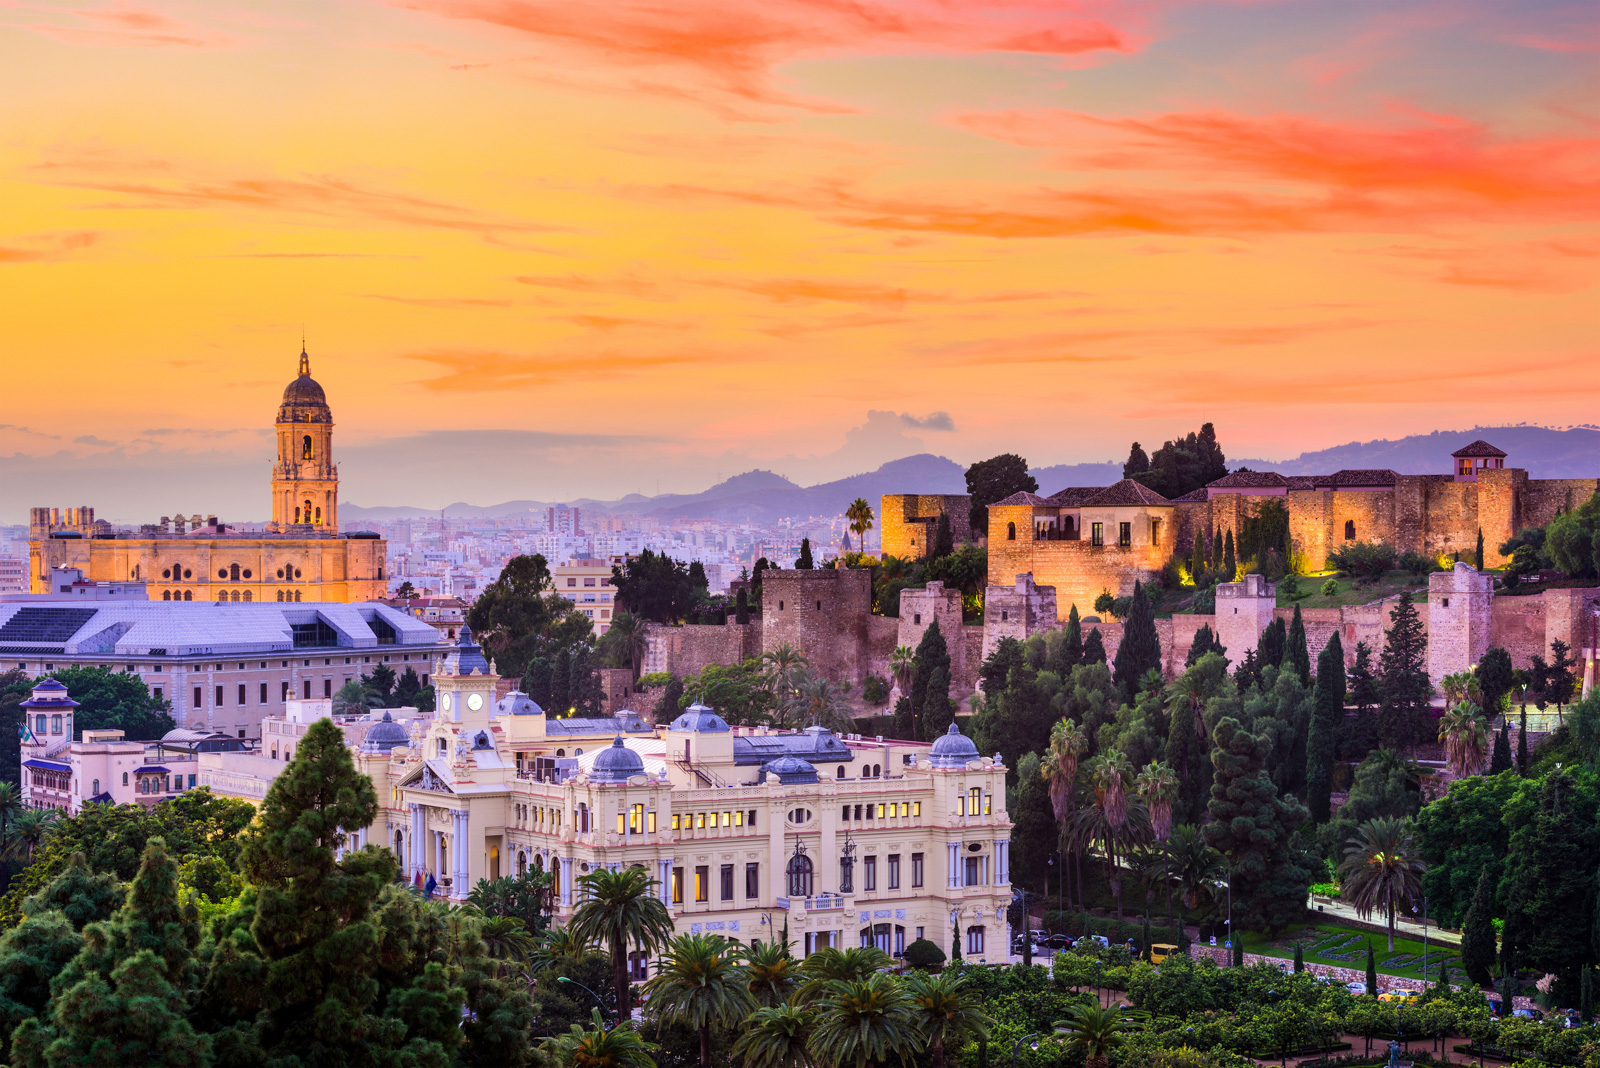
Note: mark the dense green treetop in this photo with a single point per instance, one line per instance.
(993, 480)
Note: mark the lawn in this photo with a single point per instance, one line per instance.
(1348, 591)
(1346, 947)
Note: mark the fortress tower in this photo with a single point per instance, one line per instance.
(305, 480)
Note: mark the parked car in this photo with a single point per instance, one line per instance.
(1356, 988)
(1398, 995)
(1160, 951)
(1093, 940)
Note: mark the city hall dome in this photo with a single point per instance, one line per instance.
(385, 735)
(616, 763)
(700, 719)
(953, 750)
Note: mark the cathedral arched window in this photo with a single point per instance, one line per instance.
(233, 573)
(166, 595)
(319, 515)
(799, 873)
(306, 511)
(222, 596)
(280, 592)
(297, 513)
(248, 596)
(188, 595)
(297, 596)
(305, 448)
(236, 596)
(1011, 532)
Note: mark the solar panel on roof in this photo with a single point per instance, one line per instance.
(36, 623)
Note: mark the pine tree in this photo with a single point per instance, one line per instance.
(742, 607)
(1327, 721)
(1141, 646)
(1477, 555)
(309, 978)
(124, 999)
(697, 575)
(561, 684)
(1069, 654)
(1254, 828)
(1494, 679)
(944, 542)
(933, 655)
(804, 563)
(1138, 463)
(937, 711)
(1403, 685)
(1094, 648)
(1230, 568)
(1296, 653)
(1477, 931)
(1372, 971)
(586, 694)
(1501, 759)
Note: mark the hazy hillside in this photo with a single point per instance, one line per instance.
(762, 496)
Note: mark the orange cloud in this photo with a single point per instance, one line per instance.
(46, 247)
(125, 26)
(735, 46)
(490, 371)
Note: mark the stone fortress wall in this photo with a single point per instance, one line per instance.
(906, 521)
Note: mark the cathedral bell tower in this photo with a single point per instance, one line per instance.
(305, 480)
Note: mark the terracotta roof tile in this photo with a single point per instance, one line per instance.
(1364, 476)
(1022, 497)
(1126, 492)
(1073, 495)
(1478, 448)
(1249, 480)
(1201, 494)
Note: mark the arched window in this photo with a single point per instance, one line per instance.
(223, 595)
(96, 789)
(841, 772)
(124, 778)
(280, 595)
(297, 513)
(249, 595)
(319, 515)
(1011, 532)
(235, 596)
(306, 508)
(799, 875)
(305, 447)
(166, 595)
(233, 573)
(1349, 530)
(188, 595)
(297, 595)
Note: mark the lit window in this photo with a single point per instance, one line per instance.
(1097, 533)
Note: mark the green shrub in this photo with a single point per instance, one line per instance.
(1363, 559)
(923, 954)
(875, 690)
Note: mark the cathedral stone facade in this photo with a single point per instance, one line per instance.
(300, 557)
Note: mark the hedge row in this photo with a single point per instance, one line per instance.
(1114, 931)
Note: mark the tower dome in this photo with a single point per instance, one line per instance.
(616, 763)
(700, 719)
(953, 750)
(303, 398)
(789, 770)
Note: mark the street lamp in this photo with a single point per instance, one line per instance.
(1425, 938)
(1229, 884)
(1018, 1045)
(591, 993)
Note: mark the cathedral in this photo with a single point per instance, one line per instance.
(301, 556)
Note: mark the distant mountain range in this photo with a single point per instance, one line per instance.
(762, 496)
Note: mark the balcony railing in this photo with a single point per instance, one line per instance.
(815, 903)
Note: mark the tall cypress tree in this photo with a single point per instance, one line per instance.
(1094, 648)
(1477, 931)
(804, 563)
(1501, 758)
(1477, 554)
(1274, 639)
(741, 612)
(933, 656)
(937, 712)
(1069, 654)
(1197, 559)
(944, 542)
(1141, 646)
(1372, 971)
(1403, 685)
(561, 684)
(1327, 722)
(1297, 653)
(1522, 744)
(1230, 567)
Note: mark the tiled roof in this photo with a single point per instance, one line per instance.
(1073, 495)
(1478, 448)
(1201, 494)
(1126, 492)
(1302, 482)
(1021, 497)
(1249, 480)
(1364, 476)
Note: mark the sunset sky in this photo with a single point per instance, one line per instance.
(553, 249)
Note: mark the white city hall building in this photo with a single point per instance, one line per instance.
(850, 841)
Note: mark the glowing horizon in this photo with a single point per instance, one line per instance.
(683, 242)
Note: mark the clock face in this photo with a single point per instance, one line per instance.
(475, 701)
(445, 702)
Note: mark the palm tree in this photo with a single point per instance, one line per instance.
(860, 515)
(618, 908)
(28, 829)
(10, 805)
(815, 700)
(1095, 1031)
(1108, 775)
(776, 1036)
(700, 982)
(1187, 693)
(839, 965)
(1068, 743)
(506, 938)
(1158, 785)
(946, 1011)
(1461, 686)
(865, 1022)
(783, 667)
(1380, 869)
(557, 946)
(620, 1047)
(626, 639)
(903, 662)
(1465, 734)
(1196, 865)
(774, 974)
